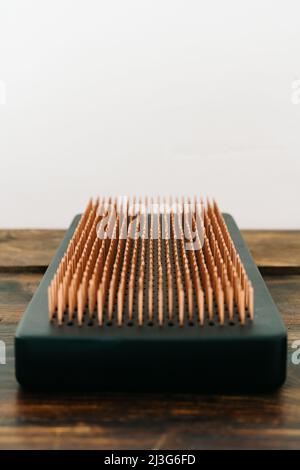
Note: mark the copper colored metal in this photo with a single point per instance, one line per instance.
(151, 260)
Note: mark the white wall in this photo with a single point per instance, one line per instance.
(161, 96)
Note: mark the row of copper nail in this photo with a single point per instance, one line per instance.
(109, 265)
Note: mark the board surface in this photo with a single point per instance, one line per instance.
(211, 358)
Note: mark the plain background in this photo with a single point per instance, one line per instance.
(158, 97)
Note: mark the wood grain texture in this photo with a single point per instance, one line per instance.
(138, 421)
(28, 249)
(16, 290)
(280, 248)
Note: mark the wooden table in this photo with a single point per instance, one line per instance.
(151, 421)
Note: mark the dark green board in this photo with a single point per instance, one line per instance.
(210, 358)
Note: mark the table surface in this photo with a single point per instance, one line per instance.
(141, 420)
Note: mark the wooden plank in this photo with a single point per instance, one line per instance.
(16, 290)
(28, 248)
(133, 421)
(276, 248)
(286, 294)
(33, 249)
